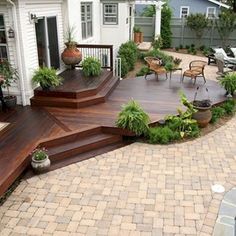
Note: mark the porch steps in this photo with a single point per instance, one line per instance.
(87, 98)
(79, 146)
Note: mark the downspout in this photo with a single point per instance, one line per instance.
(18, 53)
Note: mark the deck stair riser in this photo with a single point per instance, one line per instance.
(100, 97)
(76, 94)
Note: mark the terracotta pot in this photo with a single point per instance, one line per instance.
(40, 166)
(202, 116)
(141, 37)
(71, 55)
(137, 37)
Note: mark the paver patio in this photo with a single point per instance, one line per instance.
(140, 189)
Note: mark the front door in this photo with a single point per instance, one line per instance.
(47, 42)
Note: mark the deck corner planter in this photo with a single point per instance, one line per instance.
(203, 115)
(71, 55)
(40, 166)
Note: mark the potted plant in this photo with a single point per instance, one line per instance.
(10, 75)
(71, 54)
(203, 107)
(177, 62)
(138, 35)
(229, 84)
(46, 77)
(40, 161)
(91, 67)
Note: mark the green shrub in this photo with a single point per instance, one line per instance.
(46, 77)
(229, 83)
(176, 49)
(217, 113)
(133, 117)
(143, 71)
(181, 46)
(169, 65)
(162, 135)
(194, 51)
(187, 46)
(157, 42)
(128, 53)
(166, 33)
(91, 67)
(229, 106)
(192, 45)
(202, 47)
(189, 50)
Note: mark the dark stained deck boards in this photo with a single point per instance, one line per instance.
(30, 124)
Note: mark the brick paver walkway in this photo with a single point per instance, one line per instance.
(140, 189)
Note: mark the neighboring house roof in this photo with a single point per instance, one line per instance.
(219, 3)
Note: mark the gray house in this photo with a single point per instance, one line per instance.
(182, 8)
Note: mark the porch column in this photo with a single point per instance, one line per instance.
(158, 18)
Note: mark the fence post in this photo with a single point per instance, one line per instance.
(212, 33)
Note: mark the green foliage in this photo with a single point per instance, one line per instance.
(229, 106)
(202, 47)
(69, 36)
(177, 61)
(192, 45)
(194, 51)
(136, 29)
(46, 77)
(217, 113)
(9, 73)
(91, 67)
(162, 135)
(229, 83)
(197, 23)
(187, 46)
(133, 117)
(149, 11)
(226, 24)
(176, 49)
(169, 65)
(128, 53)
(181, 46)
(157, 42)
(143, 71)
(39, 154)
(166, 33)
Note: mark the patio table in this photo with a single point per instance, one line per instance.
(176, 69)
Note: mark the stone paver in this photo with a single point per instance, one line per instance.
(140, 189)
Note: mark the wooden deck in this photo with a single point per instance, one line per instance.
(28, 125)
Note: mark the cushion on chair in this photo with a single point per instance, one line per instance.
(192, 73)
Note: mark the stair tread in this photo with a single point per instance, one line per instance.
(80, 143)
(86, 155)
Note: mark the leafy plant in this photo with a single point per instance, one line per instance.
(39, 154)
(149, 11)
(229, 106)
(166, 33)
(187, 46)
(69, 37)
(225, 24)
(229, 83)
(137, 29)
(9, 73)
(46, 77)
(197, 23)
(181, 46)
(91, 67)
(133, 117)
(143, 71)
(169, 65)
(176, 49)
(217, 113)
(177, 61)
(128, 52)
(162, 135)
(157, 42)
(202, 47)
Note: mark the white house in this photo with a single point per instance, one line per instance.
(40, 25)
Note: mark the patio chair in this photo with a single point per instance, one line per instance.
(154, 64)
(233, 50)
(224, 55)
(223, 66)
(196, 69)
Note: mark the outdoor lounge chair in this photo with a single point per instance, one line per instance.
(233, 50)
(223, 66)
(154, 64)
(196, 69)
(226, 58)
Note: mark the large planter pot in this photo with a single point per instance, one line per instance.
(40, 166)
(202, 116)
(10, 101)
(138, 37)
(71, 55)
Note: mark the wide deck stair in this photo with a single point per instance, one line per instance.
(72, 97)
(79, 146)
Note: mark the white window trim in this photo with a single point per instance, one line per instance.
(86, 21)
(117, 14)
(180, 15)
(4, 30)
(207, 14)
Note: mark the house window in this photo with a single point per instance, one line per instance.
(184, 12)
(211, 12)
(3, 40)
(86, 20)
(110, 13)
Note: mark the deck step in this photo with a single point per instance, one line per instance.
(82, 145)
(100, 97)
